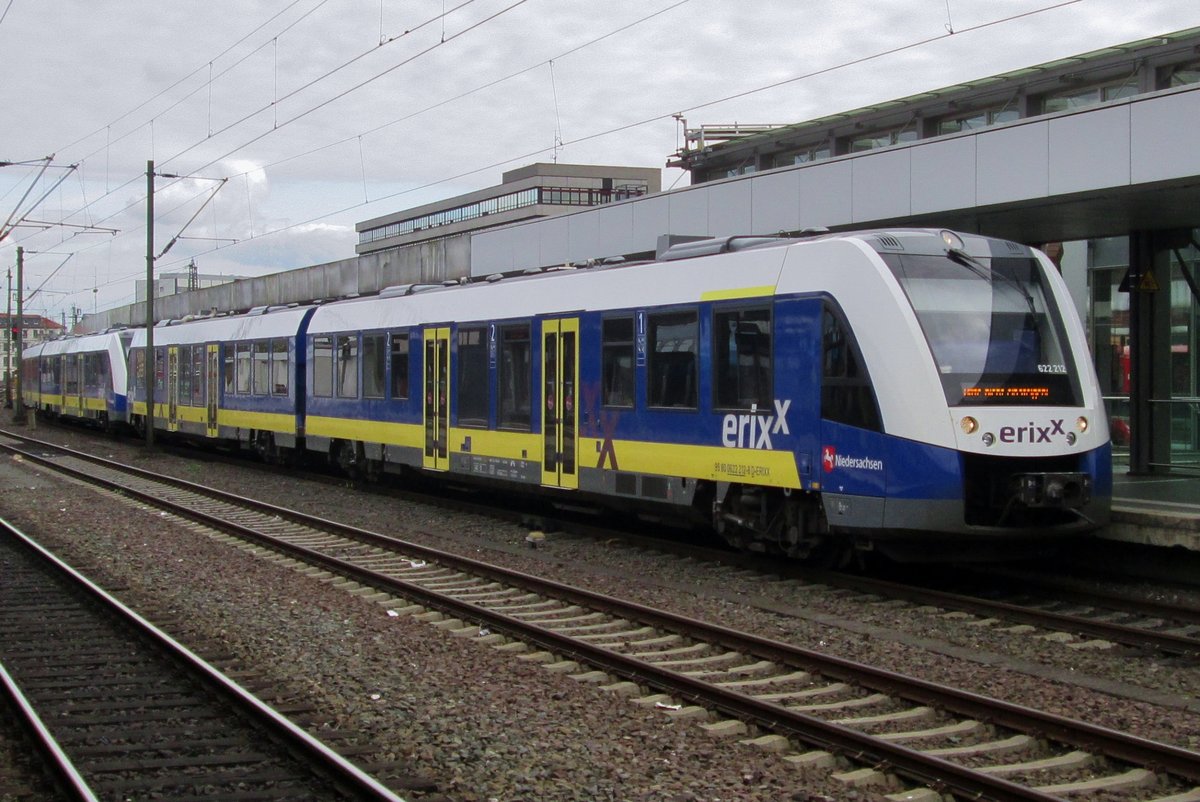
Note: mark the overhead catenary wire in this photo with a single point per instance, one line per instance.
(376, 129)
(670, 115)
(633, 124)
(182, 80)
(271, 106)
(564, 54)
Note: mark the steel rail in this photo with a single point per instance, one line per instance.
(1174, 760)
(1168, 642)
(64, 774)
(339, 770)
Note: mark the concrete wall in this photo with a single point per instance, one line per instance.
(1078, 156)
(425, 263)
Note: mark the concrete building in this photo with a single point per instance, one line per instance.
(533, 192)
(425, 245)
(34, 329)
(173, 283)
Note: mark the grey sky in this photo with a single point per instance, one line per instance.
(321, 113)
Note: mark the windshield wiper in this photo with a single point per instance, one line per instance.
(980, 269)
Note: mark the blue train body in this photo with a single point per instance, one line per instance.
(922, 392)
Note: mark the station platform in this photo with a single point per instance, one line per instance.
(1155, 510)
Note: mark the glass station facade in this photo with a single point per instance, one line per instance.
(1142, 308)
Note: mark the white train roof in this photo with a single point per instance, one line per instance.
(741, 274)
(83, 343)
(276, 323)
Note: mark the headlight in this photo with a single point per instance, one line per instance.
(989, 439)
(969, 425)
(952, 240)
(1081, 424)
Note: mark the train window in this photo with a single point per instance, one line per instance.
(515, 377)
(399, 364)
(846, 394)
(742, 358)
(323, 366)
(198, 375)
(347, 366)
(279, 367)
(374, 365)
(262, 367)
(70, 376)
(472, 386)
(672, 369)
(243, 368)
(616, 355)
(139, 369)
(184, 370)
(228, 369)
(160, 372)
(91, 372)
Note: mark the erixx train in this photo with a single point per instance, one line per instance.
(925, 393)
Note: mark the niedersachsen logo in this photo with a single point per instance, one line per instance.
(830, 459)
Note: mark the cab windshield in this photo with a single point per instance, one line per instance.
(994, 330)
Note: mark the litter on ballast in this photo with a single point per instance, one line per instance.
(665, 706)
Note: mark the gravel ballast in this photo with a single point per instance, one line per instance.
(487, 726)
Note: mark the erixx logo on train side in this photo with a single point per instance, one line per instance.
(754, 430)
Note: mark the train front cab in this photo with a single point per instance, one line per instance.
(94, 381)
(995, 438)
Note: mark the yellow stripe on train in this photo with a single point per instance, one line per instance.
(715, 463)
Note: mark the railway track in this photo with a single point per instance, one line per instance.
(873, 726)
(120, 711)
(1046, 604)
(1112, 618)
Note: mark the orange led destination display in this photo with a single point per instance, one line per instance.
(1026, 393)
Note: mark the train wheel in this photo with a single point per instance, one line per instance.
(372, 469)
(264, 446)
(344, 456)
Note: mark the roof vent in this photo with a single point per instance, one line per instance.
(889, 242)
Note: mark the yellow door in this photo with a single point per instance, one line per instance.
(212, 388)
(437, 399)
(560, 412)
(173, 388)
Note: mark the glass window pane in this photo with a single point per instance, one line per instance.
(323, 366)
(515, 376)
(198, 382)
(742, 359)
(243, 368)
(617, 358)
(374, 363)
(347, 366)
(399, 364)
(279, 367)
(262, 367)
(672, 368)
(229, 370)
(472, 377)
